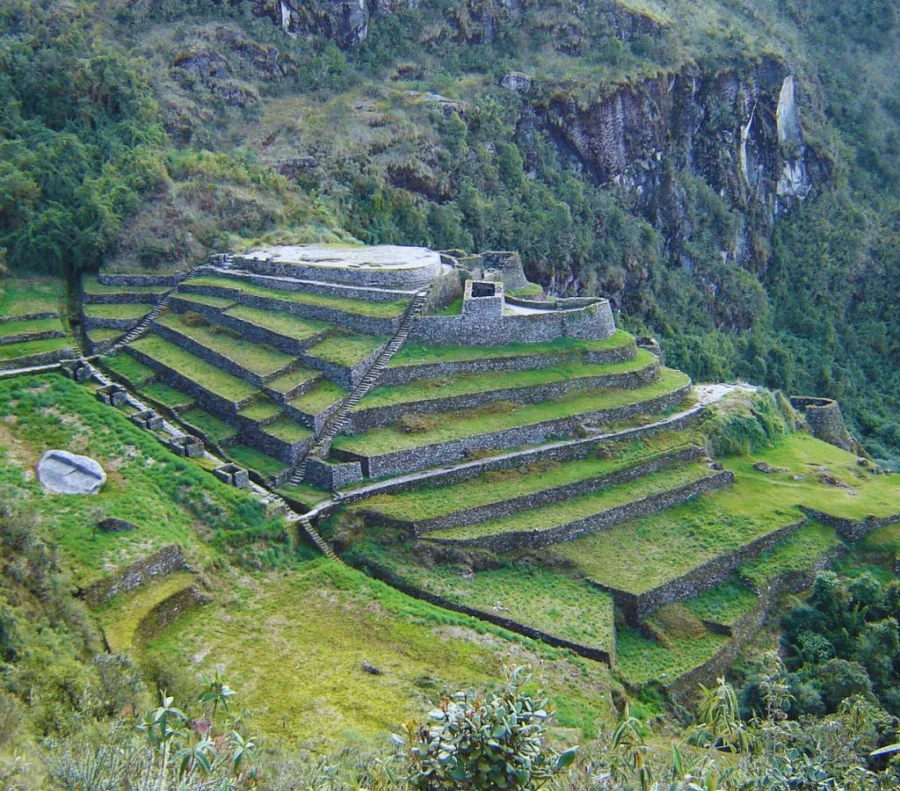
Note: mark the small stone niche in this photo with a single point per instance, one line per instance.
(233, 475)
(483, 300)
(114, 395)
(188, 446)
(75, 370)
(148, 419)
(483, 288)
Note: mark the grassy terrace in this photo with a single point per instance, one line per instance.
(121, 617)
(446, 387)
(24, 296)
(549, 516)
(724, 604)
(346, 348)
(92, 285)
(415, 354)
(217, 430)
(256, 460)
(471, 422)
(259, 359)
(796, 553)
(205, 299)
(322, 396)
(104, 334)
(10, 351)
(192, 367)
(538, 597)
(129, 369)
(493, 487)
(379, 310)
(32, 325)
(277, 321)
(260, 409)
(121, 310)
(294, 378)
(165, 395)
(287, 430)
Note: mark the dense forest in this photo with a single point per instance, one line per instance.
(150, 133)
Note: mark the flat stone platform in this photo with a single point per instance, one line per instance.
(386, 266)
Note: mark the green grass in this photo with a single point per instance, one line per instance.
(128, 368)
(167, 396)
(204, 299)
(147, 485)
(380, 310)
(104, 334)
(416, 354)
(319, 398)
(287, 430)
(346, 349)
(217, 430)
(493, 487)
(467, 423)
(121, 617)
(550, 516)
(279, 322)
(304, 494)
(32, 325)
(24, 296)
(447, 387)
(11, 351)
(287, 382)
(122, 310)
(453, 309)
(641, 659)
(675, 541)
(260, 409)
(192, 367)
(256, 460)
(797, 553)
(884, 539)
(724, 604)
(257, 358)
(92, 285)
(323, 621)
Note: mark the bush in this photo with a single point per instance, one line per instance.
(484, 744)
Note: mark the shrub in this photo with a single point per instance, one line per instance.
(481, 744)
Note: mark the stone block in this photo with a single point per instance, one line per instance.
(233, 475)
(66, 473)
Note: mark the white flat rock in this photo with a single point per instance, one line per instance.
(386, 256)
(66, 473)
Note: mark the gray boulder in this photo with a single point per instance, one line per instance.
(65, 473)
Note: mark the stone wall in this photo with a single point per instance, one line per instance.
(256, 334)
(332, 476)
(288, 452)
(114, 279)
(505, 266)
(563, 451)
(167, 611)
(214, 358)
(383, 277)
(22, 337)
(686, 688)
(591, 323)
(851, 530)
(591, 652)
(444, 291)
(538, 539)
(365, 293)
(346, 377)
(543, 497)
(32, 360)
(636, 607)
(95, 323)
(167, 560)
(128, 297)
(29, 317)
(404, 461)
(316, 421)
(362, 419)
(405, 374)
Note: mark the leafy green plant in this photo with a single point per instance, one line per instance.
(485, 743)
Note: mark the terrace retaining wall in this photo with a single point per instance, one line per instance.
(287, 452)
(382, 277)
(362, 419)
(345, 376)
(538, 539)
(167, 611)
(257, 334)
(686, 687)
(590, 652)
(215, 358)
(540, 498)
(117, 279)
(404, 374)
(291, 283)
(96, 323)
(565, 451)
(594, 322)
(638, 606)
(331, 476)
(124, 297)
(34, 360)
(51, 314)
(165, 561)
(851, 530)
(22, 337)
(404, 461)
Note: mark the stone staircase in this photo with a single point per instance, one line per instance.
(340, 418)
(145, 323)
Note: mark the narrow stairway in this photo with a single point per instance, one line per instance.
(340, 418)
